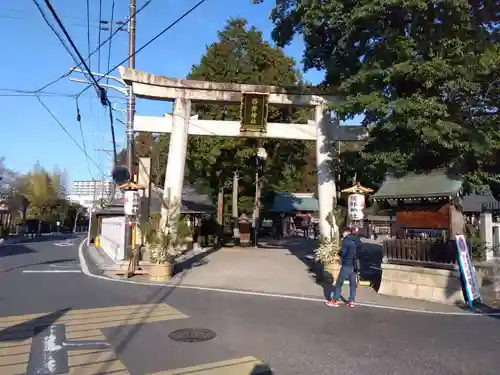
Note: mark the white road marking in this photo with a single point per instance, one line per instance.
(86, 271)
(63, 244)
(63, 265)
(52, 271)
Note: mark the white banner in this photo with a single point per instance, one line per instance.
(467, 269)
(356, 206)
(130, 202)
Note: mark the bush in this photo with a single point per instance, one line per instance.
(477, 246)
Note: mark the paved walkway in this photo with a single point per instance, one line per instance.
(284, 271)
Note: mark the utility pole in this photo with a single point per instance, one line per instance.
(94, 193)
(130, 220)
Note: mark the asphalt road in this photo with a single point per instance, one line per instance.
(289, 336)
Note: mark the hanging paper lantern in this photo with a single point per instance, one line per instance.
(356, 206)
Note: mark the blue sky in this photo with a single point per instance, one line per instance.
(28, 134)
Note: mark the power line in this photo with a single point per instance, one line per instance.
(110, 37)
(25, 19)
(19, 92)
(79, 64)
(100, 91)
(99, 38)
(88, 29)
(121, 26)
(67, 132)
(54, 30)
(79, 120)
(54, 81)
(60, 40)
(184, 15)
(113, 137)
(25, 11)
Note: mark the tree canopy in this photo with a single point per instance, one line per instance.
(242, 56)
(424, 73)
(239, 56)
(39, 195)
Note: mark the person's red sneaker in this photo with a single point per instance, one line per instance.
(332, 303)
(350, 304)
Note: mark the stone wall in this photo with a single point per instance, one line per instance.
(436, 285)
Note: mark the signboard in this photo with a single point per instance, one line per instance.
(254, 108)
(356, 206)
(467, 270)
(130, 202)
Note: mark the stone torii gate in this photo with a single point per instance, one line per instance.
(184, 92)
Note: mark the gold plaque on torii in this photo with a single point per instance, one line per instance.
(253, 112)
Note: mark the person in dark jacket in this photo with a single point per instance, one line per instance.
(347, 270)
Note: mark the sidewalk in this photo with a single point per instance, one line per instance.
(275, 270)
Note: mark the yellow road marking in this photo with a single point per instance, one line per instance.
(88, 315)
(15, 359)
(14, 356)
(13, 369)
(87, 334)
(101, 368)
(13, 350)
(15, 342)
(238, 366)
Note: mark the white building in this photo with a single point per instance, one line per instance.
(90, 192)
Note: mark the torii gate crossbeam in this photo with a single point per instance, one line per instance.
(184, 92)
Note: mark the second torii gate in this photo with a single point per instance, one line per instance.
(184, 92)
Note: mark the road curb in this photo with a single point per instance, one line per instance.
(86, 271)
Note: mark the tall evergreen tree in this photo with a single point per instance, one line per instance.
(424, 73)
(242, 56)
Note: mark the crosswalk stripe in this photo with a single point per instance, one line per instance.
(14, 343)
(102, 368)
(75, 316)
(14, 350)
(86, 334)
(87, 324)
(238, 366)
(16, 369)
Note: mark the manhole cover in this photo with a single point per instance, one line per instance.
(192, 335)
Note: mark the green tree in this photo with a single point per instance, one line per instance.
(242, 56)
(424, 73)
(150, 145)
(44, 191)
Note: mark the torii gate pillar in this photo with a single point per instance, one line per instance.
(326, 180)
(177, 151)
(183, 92)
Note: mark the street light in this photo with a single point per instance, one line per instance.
(259, 163)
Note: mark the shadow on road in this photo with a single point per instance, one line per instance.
(261, 370)
(122, 335)
(32, 327)
(196, 260)
(44, 238)
(48, 262)
(481, 308)
(370, 256)
(9, 250)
